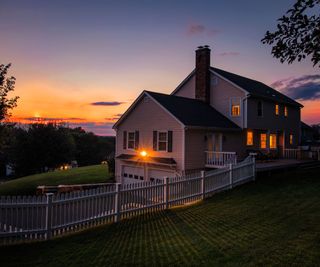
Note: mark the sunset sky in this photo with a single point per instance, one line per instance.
(84, 62)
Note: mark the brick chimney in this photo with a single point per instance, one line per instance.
(203, 73)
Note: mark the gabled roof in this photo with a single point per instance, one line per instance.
(193, 112)
(256, 88)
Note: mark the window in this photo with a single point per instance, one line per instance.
(277, 109)
(249, 138)
(162, 141)
(273, 141)
(285, 111)
(263, 141)
(291, 139)
(235, 106)
(131, 138)
(260, 113)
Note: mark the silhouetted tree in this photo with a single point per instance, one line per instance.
(298, 33)
(6, 85)
(41, 147)
(90, 148)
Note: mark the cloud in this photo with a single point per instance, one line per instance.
(231, 53)
(114, 118)
(306, 87)
(196, 29)
(107, 103)
(49, 119)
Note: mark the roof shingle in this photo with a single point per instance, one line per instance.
(256, 88)
(193, 112)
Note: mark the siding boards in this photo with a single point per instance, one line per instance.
(146, 118)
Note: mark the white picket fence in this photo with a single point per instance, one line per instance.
(44, 217)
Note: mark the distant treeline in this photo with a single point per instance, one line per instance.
(44, 147)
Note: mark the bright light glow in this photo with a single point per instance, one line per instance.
(37, 115)
(143, 153)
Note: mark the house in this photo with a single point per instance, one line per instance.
(213, 118)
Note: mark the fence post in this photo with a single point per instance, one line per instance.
(254, 167)
(49, 215)
(117, 203)
(230, 176)
(203, 187)
(166, 193)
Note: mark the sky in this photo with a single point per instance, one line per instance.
(84, 62)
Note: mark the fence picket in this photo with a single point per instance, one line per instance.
(23, 218)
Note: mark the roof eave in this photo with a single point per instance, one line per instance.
(212, 128)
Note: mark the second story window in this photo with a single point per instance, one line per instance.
(235, 106)
(276, 109)
(285, 111)
(260, 112)
(162, 141)
(131, 139)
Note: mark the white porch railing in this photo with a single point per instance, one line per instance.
(290, 153)
(216, 159)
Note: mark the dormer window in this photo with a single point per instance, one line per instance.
(235, 106)
(285, 111)
(277, 109)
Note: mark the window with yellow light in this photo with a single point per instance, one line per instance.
(273, 141)
(249, 138)
(263, 141)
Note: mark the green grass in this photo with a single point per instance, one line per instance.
(274, 221)
(27, 185)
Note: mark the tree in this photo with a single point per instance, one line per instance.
(6, 85)
(40, 147)
(298, 33)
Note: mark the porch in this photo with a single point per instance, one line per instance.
(217, 159)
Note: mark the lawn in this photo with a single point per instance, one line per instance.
(273, 221)
(27, 185)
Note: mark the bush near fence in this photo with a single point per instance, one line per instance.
(44, 217)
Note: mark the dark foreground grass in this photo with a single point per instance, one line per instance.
(27, 185)
(274, 221)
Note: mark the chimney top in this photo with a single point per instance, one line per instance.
(203, 47)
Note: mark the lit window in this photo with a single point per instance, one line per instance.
(249, 138)
(131, 138)
(263, 141)
(235, 106)
(277, 109)
(162, 141)
(260, 113)
(285, 111)
(291, 139)
(273, 141)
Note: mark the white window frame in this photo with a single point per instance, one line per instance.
(158, 140)
(230, 106)
(134, 140)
